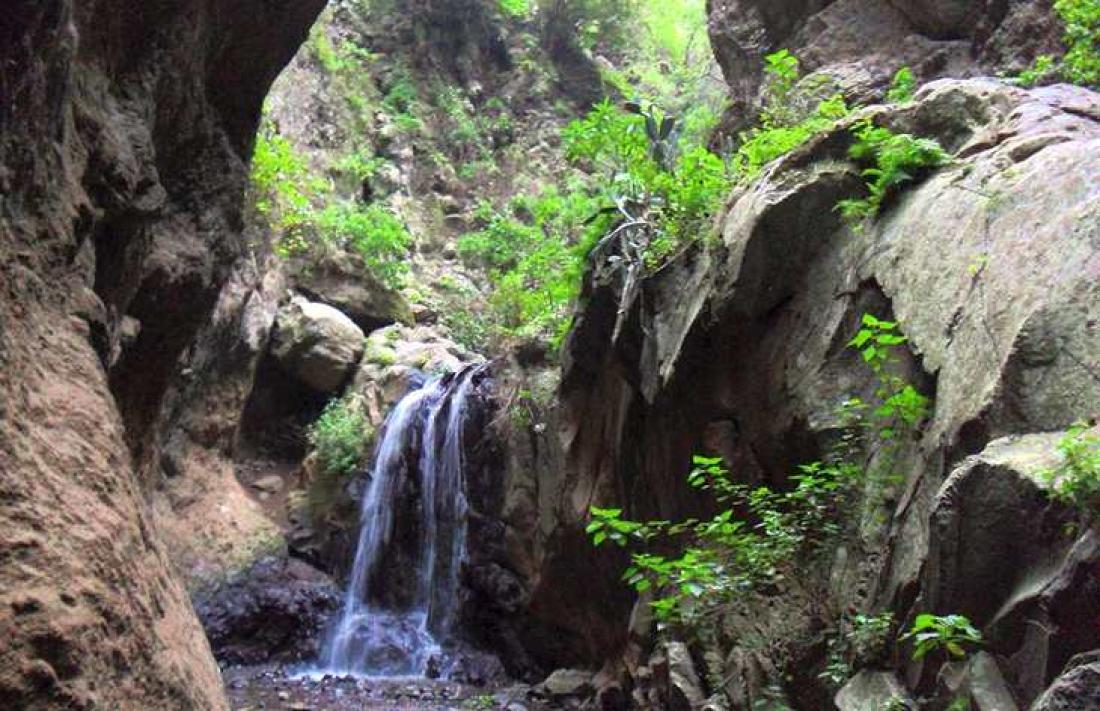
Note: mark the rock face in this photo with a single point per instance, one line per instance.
(862, 43)
(990, 265)
(317, 344)
(123, 139)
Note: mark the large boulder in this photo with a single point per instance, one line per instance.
(344, 282)
(317, 343)
(1003, 553)
(277, 610)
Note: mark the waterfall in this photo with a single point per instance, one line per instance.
(399, 639)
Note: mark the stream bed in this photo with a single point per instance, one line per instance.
(273, 687)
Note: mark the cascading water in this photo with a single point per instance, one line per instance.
(374, 639)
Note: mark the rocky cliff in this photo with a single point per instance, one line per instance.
(126, 128)
(738, 349)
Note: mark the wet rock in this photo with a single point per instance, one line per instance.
(1077, 688)
(274, 611)
(316, 343)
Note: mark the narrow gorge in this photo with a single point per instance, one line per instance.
(723, 355)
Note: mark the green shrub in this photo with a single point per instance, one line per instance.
(1077, 480)
(534, 253)
(951, 634)
(902, 88)
(374, 233)
(784, 125)
(284, 189)
(340, 437)
(901, 406)
(515, 8)
(895, 159)
(1081, 62)
(360, 165)
(762, 534)
(726, 557)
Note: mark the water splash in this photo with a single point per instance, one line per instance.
(370, 638)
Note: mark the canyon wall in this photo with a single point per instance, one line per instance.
(125, 129)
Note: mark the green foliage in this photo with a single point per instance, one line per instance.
(783, 125)
(870, 634)
(1042, 68)
(605, 24)
(340, 437)
(724, 556)
(901, 405)
(534, 251)
(283, 186)
(1077, 480)
(374, 233)
(666, 189)
(402, 103)
(951, 634)
(895, 159)
(515, 8)
(865, 641)
(360, 165)
(1081, 62)
(902, 87)
(771, 139)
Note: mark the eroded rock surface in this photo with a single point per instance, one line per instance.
(123, 139)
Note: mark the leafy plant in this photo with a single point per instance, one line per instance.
(1081, 62)
(895, 159)
(1077, 480)
(284, 189)
(726, 556)
(374, 233)
(340, 437)
(515, 8)
(951, 634)
(902, 87)
(901, 405)
(783, 125)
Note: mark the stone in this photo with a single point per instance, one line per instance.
(567, 684)
(274, 611)
(869, 40)
(1077, 688)
(685, 690)
(342, 281)
(271, 484)
(987, 686)
(317, 344)
(873, 691)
